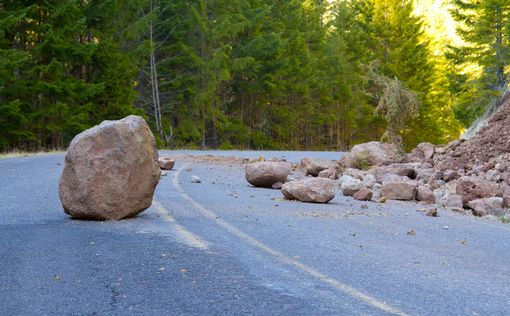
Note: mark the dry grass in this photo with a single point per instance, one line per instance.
(17, 154)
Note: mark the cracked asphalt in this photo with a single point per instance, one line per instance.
(222, 247)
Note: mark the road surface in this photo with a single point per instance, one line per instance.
(222, 247)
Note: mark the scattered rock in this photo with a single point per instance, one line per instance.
(376, 191)
(368, 181)
(111, 171)
(349, 186)
(369, 154)
(163, 173)
(363, 195)
(432, 212)
(411, 232)
(399, 189)
(195, 179)
(314, 190)
(265, 174)
(487, 206)
(425, 195)
(166, 163)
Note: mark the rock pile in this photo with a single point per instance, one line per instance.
(111, 171)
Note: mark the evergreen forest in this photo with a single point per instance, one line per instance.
(251, 74)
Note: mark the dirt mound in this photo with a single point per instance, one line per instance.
(491, 145)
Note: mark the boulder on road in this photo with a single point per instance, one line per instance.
(399, 189)
(313, 190)
(111, 171)
(425, 195)
(487, 206)
(349, 186)
(451, 200)
(371, 154)
(265, 174)
(473, 188)
(166, 163)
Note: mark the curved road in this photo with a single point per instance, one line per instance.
(221, 247)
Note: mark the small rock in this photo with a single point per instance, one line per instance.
(363, 195)
(426, 195)
(445, 227)
(163, 173)
(451, 200)
(314, 166)
(329, 173)
(166, 163)
(368, 181)
(432, 212)
(411, 232)
(195, 179)
(277, 185)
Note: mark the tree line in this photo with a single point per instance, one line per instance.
(260, 74)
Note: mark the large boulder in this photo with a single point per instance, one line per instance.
(473, 188)
(265, 174)
(371, 154)
(425, 195)
(111, 171)
(399, 169)
(451, 200)
(313, 190)
(399, 189)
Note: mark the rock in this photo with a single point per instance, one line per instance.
(163, 173)
(265, 174)
(449, 175)
(368, 181)
(363, 195)
(166, 163)
(355, 173)
(487, 206)
(506, 202)
(376, 191)
(111, 171)
(473, 188)
(195, 179)
(349, 186)
(451, 200)
(314, 190)
(363, 156)
(425, 174)
(399, 190)
(329, 173)
(426, 195)
(432, 212)
(277, 185)
(423, 152)
(399, 169)
(313, 167)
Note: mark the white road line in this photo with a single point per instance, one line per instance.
(182, 233)
(374, 302)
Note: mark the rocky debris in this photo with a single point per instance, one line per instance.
(313, 167)
(369, 154)
(487, 206)
(472, 188)
(369, 181)
(195, 179)
(424, 194)
(451, 201)
(506, 202)
(400, 189)
(330, 173)
(422, 152)
(111, 171)
(163, 173)
(449, 175)
(376, 192)
(355, 173)
(265, 174)
(313, 190)
(166, 163)
(349, 186)
(363, 195)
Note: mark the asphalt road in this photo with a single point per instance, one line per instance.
(221, 247)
